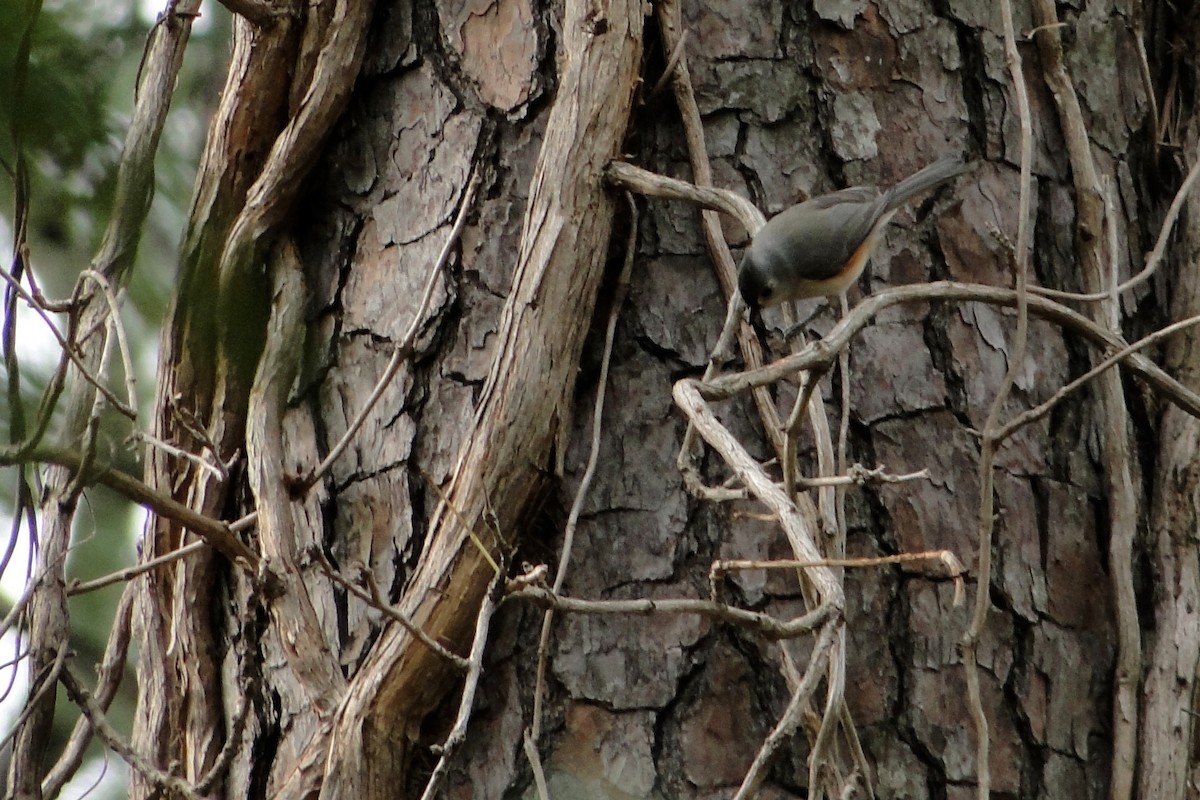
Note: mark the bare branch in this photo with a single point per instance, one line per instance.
(215, 470)
(65, 346)
(797, 527)
(790, 719)
(77, 588)
(1153, 261)
(43, 684)
(109, 735)
(458, 733)
(374, 598)
(535, 762)
(215, 532)
(134, 186)
(1113, 416)
(951, 567)
(672, 65)
(1016, 362)
(108, 680)
(824, 351)
(117, 328)
(635, 179)
(585, 482)
(1036, 413)
(763, 624)
(858, 475)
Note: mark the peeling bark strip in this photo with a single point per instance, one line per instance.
(1117, 451)
(543, 325)
(287, 84)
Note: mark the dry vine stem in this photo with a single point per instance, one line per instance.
(458, 733)
(1116, 453)
(108, 679)
(825, 351)
(989, 436)
(763, 624)
(670, 26)
(589, 471)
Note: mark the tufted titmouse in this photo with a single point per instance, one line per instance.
(819, 247)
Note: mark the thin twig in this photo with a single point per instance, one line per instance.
(374, 598)
(217, 533)
(535, 763)
(31, 585)
(953, 567)
(825, 350)
(87, 440)
(19, 656)
(672, 65)
(109, 735)
(215, 471)
(77, 587)
(589, 471)
(45, 683)
(763, 624)
(466, 526)
(66, 348)
(788, 722)
(1113, 416)
(197, 430)
(858, 475)
(812, 403)
(811, 379)
(108, 680)
(18, 606)
(458, 733)
(1016, 363)
(244, 523)
(626, 176)
(670, 24)
(249, 681)
(1041, 410)
(800, 528)
(839, 547)
(114, 316)
(950, 566)
(1138, 35)
(835, 679)
(1153, 261)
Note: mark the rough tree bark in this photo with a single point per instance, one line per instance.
(1168, 735)
(291, 685)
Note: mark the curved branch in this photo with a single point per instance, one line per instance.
(215, 532)
(825, 351)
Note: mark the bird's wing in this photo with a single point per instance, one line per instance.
(820, 235)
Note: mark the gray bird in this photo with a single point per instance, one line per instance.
(819, 247)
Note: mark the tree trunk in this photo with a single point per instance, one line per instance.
(292, 304)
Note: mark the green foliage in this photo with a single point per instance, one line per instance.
(59, 112)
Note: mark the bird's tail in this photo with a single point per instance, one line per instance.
(938, 172)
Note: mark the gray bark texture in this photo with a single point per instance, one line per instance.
(458, 463)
